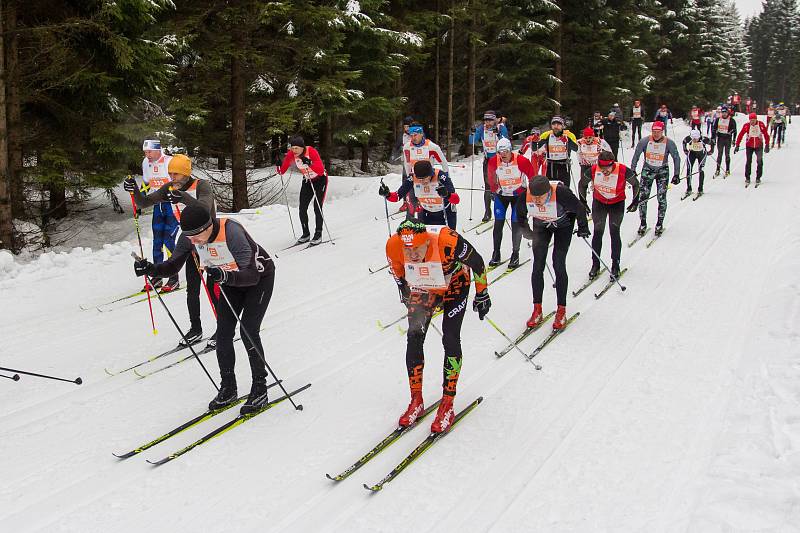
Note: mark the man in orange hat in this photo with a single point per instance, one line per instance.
(431, 266)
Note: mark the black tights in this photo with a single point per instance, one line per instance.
(614, 213)
(541, 241)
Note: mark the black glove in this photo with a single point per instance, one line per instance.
(766, 150)
(735, 150)
(217, 275)
(482, 303)
(584, 232)
(586, 206)
(405, 291)
(129, 184)
(174, 196)
(383, 190)
(144, 267)
(442, 191)
(634, 205)
(305, 160)
(676, 179)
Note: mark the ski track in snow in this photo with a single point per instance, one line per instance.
(670, 407)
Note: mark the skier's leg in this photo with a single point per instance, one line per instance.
(193, 294)
(455, 305)
(306, 194)
(541, 241)
(256, 301)
(644, 193)
(615, 214)
(759, 162)
(748, 162)
(562, 238)
(487, 191)
(159, 227)
(226, 326)
(500, 208)
(599, 214)
(320, 186)
(420, 310)
(662, 183)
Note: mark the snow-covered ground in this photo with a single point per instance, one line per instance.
(670, 407)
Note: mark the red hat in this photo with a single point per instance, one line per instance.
(588, 132)
(752, 116)
(657, 126)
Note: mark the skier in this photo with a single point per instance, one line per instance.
(655, 149)
(778, 125)
(611, 131)
(307, 161)
(488, 135)
(747, 103)
(531, 153)
(418, 148)
(636, 121)
(431, 266)
(558, 143)
(736, 100)
(770, 115)
(723, 131)
(608, 180)
(694, 148)
(662, 115)
(617, 110)
(397, 153)
(508, 175)
(694, 118)
(165, 225)
(589, 148)
(597, 124)
(757, 143)
(246, 273)
(710, 116)
(189, 191)
(553, 209)
(432, 189)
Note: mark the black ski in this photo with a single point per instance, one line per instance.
(589, 282)
(553, 334)
(382, 445)
(522, 336)
(226, 427)
(429, 441)
(611, 282)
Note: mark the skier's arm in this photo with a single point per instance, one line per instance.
(436, 151)
(491, 174)
(630, 177)
(445, 180)
(402, 191)
(522, 217)
(764, 132)
(288, 159)
(676, 157)
(570, 203)
(733, 128)
(583, 184)
(466, 254)
(686, 140)
(317, 166)
(525, 167)
(502, 131)
(173, 265)
(637, 153)
(155, 197)
(572, 142)
(714, 128)
(478, 137)
(744, 129)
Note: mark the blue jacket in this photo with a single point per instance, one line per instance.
(478, 137)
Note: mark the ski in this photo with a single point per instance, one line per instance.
(382, 445)
(176, 349)
(553, 334)
(429, 441)
(312, 245)
(436, 313)
(508, 271)
(205, 350)
(476, 226)
(391, 216)
(654, 239)
(382, 326)
(107, 308)
(239, 420)
(524, 335)
(492, 267)
(610, 284)
(638, 238)
(757, 184)
(481, 230)
(374, 270)
(85, 307)
(746, 184)
(697, 196)
(183, 427)
(588, 282)
(685, 196)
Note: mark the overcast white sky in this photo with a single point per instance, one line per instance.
(748, 8)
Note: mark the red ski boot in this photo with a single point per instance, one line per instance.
(444, 416)
(536, 317)
(415, 408)
(561, 317)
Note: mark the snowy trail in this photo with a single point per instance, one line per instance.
(677, 397)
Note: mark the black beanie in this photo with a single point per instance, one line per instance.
(194, 219)
(423, 169)
(297, 140)
(539, 185)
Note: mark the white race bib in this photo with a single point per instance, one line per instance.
(655, 153)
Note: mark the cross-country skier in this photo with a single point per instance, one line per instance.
(553, 209)
(589, 148)
(778, 126)
(608, 180)
(611, 131)
(508, 176)
(770, 115)
(736, 100)
(432, 266)
(488, 135)
(695, 116)
(637, 112)
(530, 151)
(757, 143)
(165, 225)
(188, 191)
(656, 148)
(432, 190)
(246, 273)
(663, 115)
(597, 124)
(695, 149)
(723, 131)
(558, 143)
(307, 161)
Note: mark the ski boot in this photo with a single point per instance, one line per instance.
(415, 408)
(514, 261)
(536, 316)
(212, 342)
(194, 334)
(561, 318)
(257, 398)
(486, 217)
(758, 182)
(172, 284)
(444, 416)
(716, 174)
(594, 270)
(304, 238)
(659, 229)
(317, 238)
(156, 285)
(227, 393)
(746, 182)
(727, 173)
(642, 228)
(495, 259)
(614, 270)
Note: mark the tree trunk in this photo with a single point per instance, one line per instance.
(222, 163)
(450, 78)
(326, 141)
(238, 166)
(365, 157)
(17, 190)
(437, 81)
(471, 74)
(558, 41)
(6, 220)
(57, 205)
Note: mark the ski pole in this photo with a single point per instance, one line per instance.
(208, 293)
(15, 377)
(621, 286)
(506, 337)
(141, 251)
(386, 208)
(174, 323)
(246, 333)
(286, 199)
(76, 381)
(472, 175)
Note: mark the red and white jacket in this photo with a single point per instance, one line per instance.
(312, 171)
(509, 179)
(757, 139)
